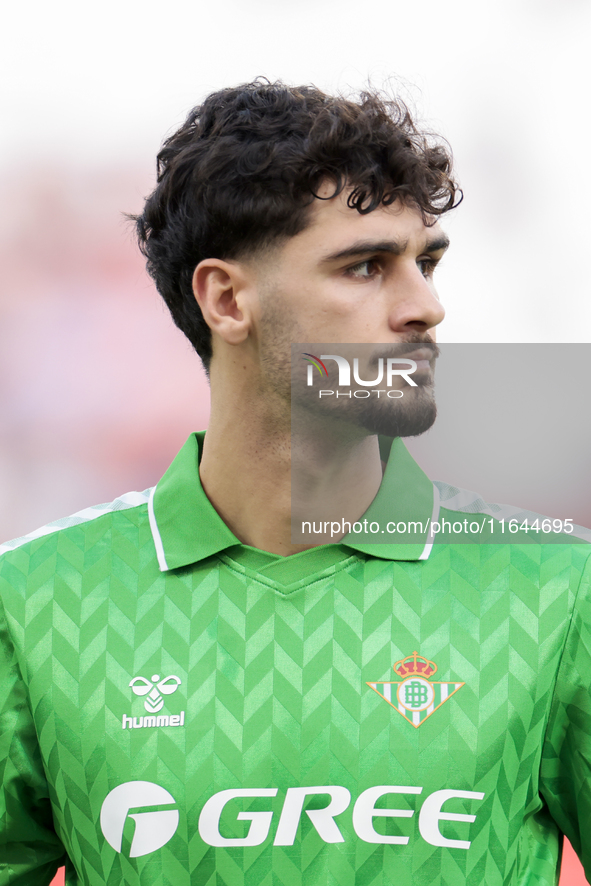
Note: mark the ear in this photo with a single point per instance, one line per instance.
(220, 290)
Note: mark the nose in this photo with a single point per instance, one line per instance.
(414, 305)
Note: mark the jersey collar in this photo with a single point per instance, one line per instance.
(186, 528)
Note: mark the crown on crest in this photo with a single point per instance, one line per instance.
(415, 664)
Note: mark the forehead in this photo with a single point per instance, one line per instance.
(333, 226)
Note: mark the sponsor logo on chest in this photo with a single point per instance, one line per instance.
(156, 816)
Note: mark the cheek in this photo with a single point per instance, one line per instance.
(329, 311)
(337, 301)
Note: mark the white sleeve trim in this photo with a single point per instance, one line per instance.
(467, 502)
(122, 503)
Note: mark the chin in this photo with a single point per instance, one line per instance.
(398, 418)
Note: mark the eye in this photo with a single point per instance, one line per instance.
(427, 266)
(365, 269)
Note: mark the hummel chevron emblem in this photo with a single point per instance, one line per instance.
(415, 696)
(154, 701)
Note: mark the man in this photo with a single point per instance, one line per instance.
(190, 695)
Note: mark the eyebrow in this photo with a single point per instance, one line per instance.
(391, 247)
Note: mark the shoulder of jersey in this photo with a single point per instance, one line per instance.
(464, 501)
(87, 515)
(452, 498)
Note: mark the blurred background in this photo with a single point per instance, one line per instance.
(98, 390)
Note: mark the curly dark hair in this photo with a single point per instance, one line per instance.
(243, 170)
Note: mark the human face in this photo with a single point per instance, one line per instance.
(352, 278)
(359, 278)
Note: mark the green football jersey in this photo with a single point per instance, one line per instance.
(179, 708)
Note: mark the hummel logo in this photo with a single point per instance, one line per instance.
(154, 686)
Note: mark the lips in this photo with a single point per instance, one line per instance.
(421, 355)
(424, 357)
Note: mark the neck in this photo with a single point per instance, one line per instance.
(265, 477)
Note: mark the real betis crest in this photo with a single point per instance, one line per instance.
(415, 696)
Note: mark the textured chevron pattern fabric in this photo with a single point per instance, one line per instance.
(217, 723)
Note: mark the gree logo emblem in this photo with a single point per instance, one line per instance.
(153, 689)
(153, 828)
(155, 825)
